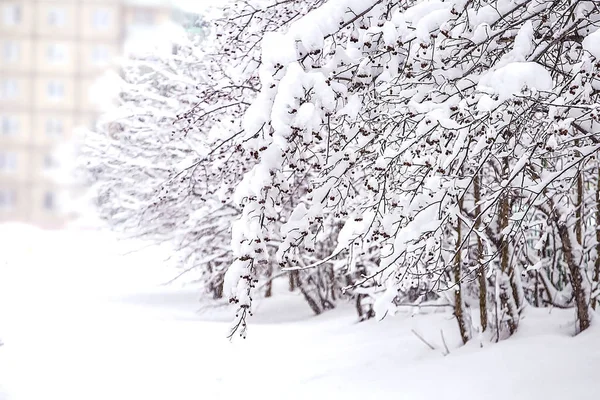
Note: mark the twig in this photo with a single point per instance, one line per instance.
(423, 305)
(313, 265)
(444, 342)
(271, 279)
(423, 340)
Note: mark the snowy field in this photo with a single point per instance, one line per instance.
(81, 321)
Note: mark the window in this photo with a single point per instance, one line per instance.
(9, 125)
(143, 17)
(54, 127)
(7, 199)
(101, 19)
(56, 90)
(56, 53)
(56, 17)
(100, 55)
(48, 161)
(12, 14)
(9, 88)
(10, 51)
(8, 161)
(49, 201)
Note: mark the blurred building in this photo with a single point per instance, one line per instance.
(51, 52)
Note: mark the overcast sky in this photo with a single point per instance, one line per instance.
(196, 5)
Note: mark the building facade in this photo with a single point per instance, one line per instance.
(51, 53)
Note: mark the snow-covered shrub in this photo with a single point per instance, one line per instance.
(449, 135)
(395, 151)
(164, 163)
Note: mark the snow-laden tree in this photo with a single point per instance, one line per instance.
(134, 157)
(232, 67)
(456, 140)
(165, 162)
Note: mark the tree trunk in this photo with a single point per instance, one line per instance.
(596, 277)
(332, 283)
(506, 288)
(579, 210)
(363, 315)
(314, 306)
(481, 273)
(269, 286)
(292, 280)
(536, 291)
(577, 279)
(459, 310)
(217, 289)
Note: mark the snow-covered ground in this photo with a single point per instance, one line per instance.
(81, 321)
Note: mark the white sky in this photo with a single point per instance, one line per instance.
(195, 5)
